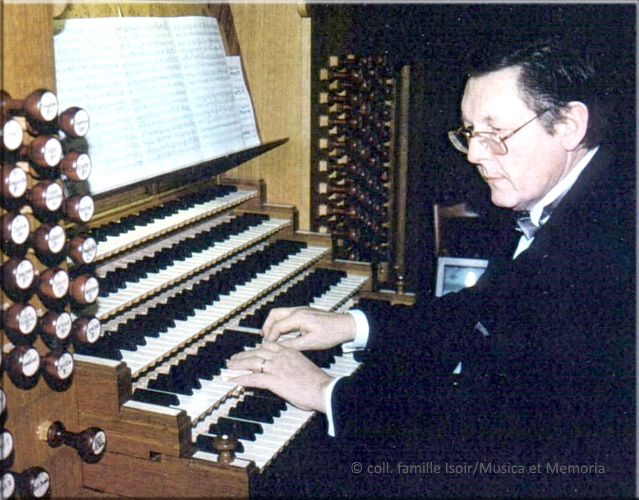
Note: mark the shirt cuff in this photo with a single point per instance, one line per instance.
(328, 393)
(361, 332)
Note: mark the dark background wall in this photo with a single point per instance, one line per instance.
(434, 39)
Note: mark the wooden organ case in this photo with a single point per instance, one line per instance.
(188, 264)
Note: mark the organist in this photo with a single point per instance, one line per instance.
(534, 366)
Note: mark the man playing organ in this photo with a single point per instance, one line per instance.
(534, 364)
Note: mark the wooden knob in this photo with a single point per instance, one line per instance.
(34, 482)
(23, 366)
(58, 365)
(45, 151)
(91, 443)
(40, 105)
(83, 249)
(6, 445)
(49, 239)
(87, 330)
(84, 289)
(53, 283)
(56, 325)
(76, 166)
(74, 122)
(17, 276)
(20, 321)
(79, 208)
(14, 181)
(12, 135)
(15, 228)
(46, 196)
(225, 445)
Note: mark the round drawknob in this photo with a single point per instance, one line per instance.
(49, 239)
(74, 122)
(7, 484)
(6, 448)
(34, 482)
(53, 283)
(40, 105)
(23, 366)
(19, 322)
(12, 135)
(45, 151)
(87, 330)
(84, 289)
(58, 366)
(76, 166)
(56, 326)
(90, 443)
(83, 249)
(17, 277)
(79, 208)
(15, 228)
(14, 181)
(46, 196)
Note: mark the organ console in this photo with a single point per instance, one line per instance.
(122, 312)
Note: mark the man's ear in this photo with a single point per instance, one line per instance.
(573, 125)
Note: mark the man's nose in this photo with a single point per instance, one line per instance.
(478, 150)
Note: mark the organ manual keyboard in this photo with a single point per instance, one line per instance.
(173, 309)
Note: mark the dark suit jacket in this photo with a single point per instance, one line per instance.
(545, 403)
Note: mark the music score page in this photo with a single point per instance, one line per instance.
(160, 94)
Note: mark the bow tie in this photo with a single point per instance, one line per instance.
(526, 226)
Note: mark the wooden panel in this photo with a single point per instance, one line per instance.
(276, 52)
(27, 48)
(169, 478)
(102, 387)
(137, 9)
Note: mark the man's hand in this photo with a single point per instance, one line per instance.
(318, 329)
(285, 372)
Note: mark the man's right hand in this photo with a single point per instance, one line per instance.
(318, 329)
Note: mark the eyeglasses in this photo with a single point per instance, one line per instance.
(461, 137)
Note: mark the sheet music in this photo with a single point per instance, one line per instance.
(158, 93)
(243, 103)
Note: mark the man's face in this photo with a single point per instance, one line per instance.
(535, 161)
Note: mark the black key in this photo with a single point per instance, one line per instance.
(155, 397)
(239, 428)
